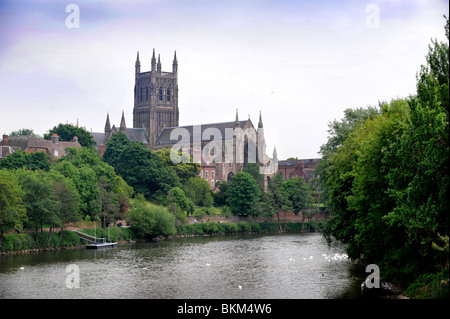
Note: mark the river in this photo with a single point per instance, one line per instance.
(276, 266)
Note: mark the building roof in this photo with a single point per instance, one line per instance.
(134, 134)
(164, 136)
(54, 149)
(308, 163)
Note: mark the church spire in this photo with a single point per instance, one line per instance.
(107, 128)
(153, 61)
(260, 124)
(107, 125)
(123, 126)
(175, 63)
(158, 67)
(138, 64)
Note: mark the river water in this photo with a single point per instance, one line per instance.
(278, 266)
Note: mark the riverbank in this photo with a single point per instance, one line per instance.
(27, 243)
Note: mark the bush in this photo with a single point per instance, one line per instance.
(13, 242)
(430, 286)
(150, 221)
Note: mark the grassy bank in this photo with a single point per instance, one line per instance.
(213, 228)
(28, 242)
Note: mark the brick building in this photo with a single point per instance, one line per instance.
(298, 168)
(53, 147)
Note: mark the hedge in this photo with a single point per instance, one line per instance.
(211, 227)
(16, 242)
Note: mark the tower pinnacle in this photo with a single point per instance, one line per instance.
(153, 61)
(158, 67)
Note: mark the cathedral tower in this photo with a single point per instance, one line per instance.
(155, 98)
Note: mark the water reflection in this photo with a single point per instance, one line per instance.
(287, 266)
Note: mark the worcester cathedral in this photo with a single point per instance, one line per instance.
(156, 124)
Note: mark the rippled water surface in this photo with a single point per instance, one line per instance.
(297, 266)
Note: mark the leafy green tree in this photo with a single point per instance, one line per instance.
(114, 147)
(86, 183)
(33, 161)
(150, 221)
(66, 132)
(177, 197)
(221, 195)
(243, 194)
(253, 170)
(338, 133)
(298, 193)
(24, 132)
(280, 198)
(184, 170)
(419, 184)
(12, 209)
(39, 199)
(199, 191)
(143, 170)
(101, 190)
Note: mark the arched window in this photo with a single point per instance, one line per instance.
(168, 95)
(141, 94)
(160, 94)
(146, 93)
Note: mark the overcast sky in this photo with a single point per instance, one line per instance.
(301, 63)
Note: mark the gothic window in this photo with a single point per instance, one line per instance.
(146, 93)
(160, 94)
(141, 94)
(168, 95)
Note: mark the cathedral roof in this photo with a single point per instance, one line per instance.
(164, 136)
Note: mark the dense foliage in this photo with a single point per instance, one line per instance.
(385, 176)
(36, 194)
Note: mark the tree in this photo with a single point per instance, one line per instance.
(339, 131)
(149, 221)
(221, 195)
(419, 184)
(243, 194)
(143, 170)
(298, 193)
(300, 197)
(280, 200)
(199, 191)
(114, 147)
(67, 132)
(253, 170)
(12, 209)
(24, 132)
(39, 199)
(184, 170)
(101, 190)
(177, 198)
(33, 161)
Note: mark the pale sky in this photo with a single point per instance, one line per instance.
(301, 63)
